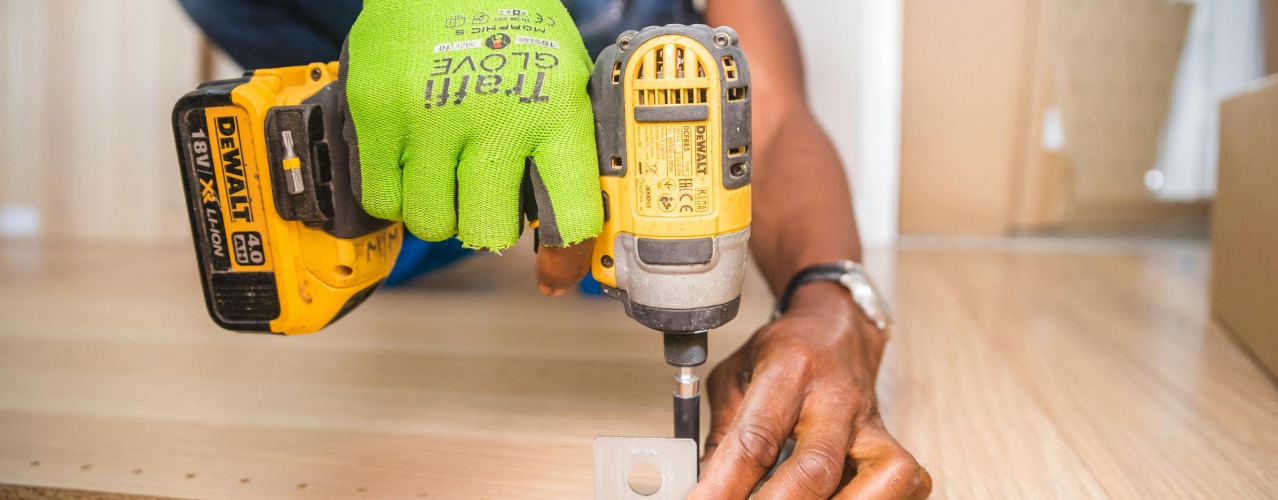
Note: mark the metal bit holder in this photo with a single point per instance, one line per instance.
(686, 350)
(687, 405)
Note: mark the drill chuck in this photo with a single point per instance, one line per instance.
(686, 349)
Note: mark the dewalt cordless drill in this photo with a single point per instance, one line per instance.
(284, 246)
(672, 122)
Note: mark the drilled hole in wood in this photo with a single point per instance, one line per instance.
(137, 472)
(34, 463)
(301, 486)
(86, 467)
(190, 475)
(244, 480)
(360, 490)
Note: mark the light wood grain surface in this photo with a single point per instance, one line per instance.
(1021, 369)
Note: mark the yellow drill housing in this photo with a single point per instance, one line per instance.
(672, 113)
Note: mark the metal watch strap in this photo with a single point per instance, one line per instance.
(849, 275)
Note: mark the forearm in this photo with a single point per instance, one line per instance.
(802, 206)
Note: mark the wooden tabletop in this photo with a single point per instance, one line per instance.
(1020, 369)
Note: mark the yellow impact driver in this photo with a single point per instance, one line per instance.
(284, 246)
(282, 243)
(672, 118)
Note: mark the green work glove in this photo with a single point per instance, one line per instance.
(449, 98)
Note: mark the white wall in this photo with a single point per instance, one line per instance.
(86, 146)
(1223, 53)
(879, 120)
(852, 56)
(23, 148)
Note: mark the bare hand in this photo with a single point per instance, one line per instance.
(810, 375)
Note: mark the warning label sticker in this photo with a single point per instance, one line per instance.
(673, 178)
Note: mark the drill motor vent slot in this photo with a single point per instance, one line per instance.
(668, 75)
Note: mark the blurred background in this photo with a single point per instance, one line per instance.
(127, 61)
(1022, 116)
(985, 117)
(1070, 202)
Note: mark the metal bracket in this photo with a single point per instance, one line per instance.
(615, 457)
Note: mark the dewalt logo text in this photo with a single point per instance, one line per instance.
(702, 158)
(239, 203)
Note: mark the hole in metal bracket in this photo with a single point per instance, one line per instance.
(644, 479)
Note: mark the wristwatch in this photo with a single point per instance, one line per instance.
(851, 276)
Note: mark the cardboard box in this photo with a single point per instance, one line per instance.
(1244, 283)
(980, 79)
(1114, 64)
(963, 74)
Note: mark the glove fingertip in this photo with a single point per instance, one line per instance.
(426, 228)
(494, 246)
(383, 210)
(566, 188)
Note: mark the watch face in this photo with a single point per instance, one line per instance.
(867, 297)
